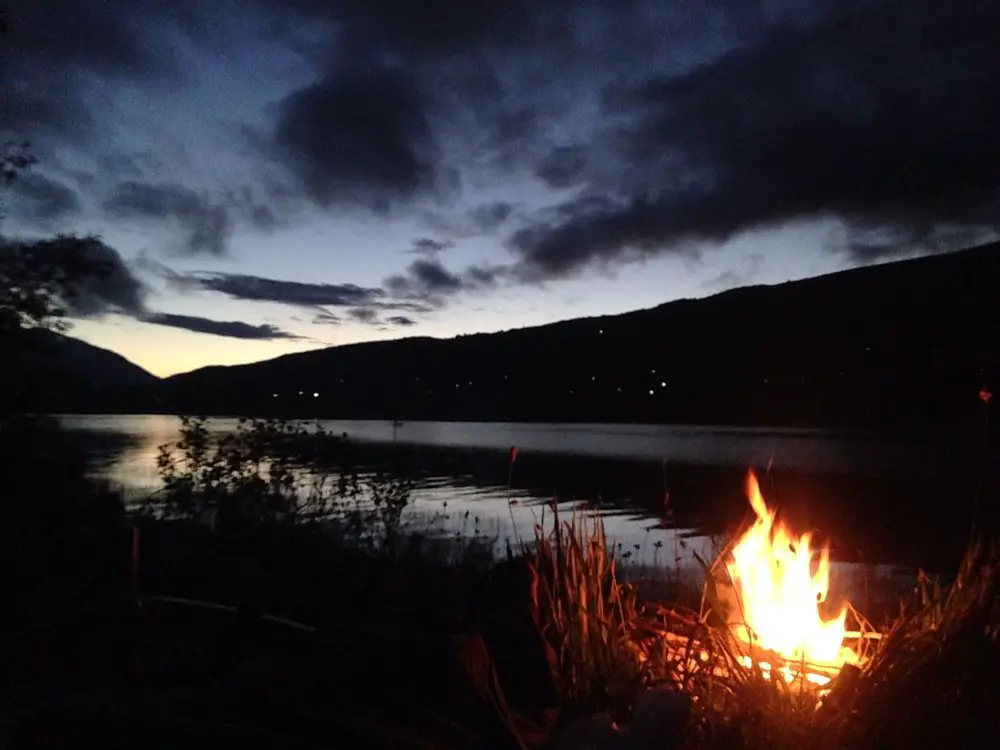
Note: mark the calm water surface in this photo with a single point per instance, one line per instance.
(661, 489)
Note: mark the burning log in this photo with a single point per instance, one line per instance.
(765, 668)
(780, 581)
(761, 616)
(764, 661)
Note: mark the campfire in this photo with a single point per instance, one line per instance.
(766, 613)
(767, 660)
(780, 583)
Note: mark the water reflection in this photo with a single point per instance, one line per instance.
(880, 501)
(811, 450)
(123, 449)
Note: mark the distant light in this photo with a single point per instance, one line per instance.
(274, 395)
(601, 330)
(650, 391)
(663, 384)
(593, 377)
(300, 393)
(315, 395)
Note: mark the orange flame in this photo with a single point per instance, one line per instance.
(779, 592)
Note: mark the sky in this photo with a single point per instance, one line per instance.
(263, 177)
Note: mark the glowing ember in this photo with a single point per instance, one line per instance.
(779, 591)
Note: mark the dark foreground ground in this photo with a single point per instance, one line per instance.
(280, 639)
(283, 641)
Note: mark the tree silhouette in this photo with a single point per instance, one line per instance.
(59, 548)
(39, 280)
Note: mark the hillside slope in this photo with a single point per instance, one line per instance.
(903, 346)
(96, 368)
(57, 373)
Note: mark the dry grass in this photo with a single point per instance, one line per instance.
(931, 679)
(935, 680)
(587, 615)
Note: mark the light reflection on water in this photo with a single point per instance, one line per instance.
(455, 502)
(785, 449)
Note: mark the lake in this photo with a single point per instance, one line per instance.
(660, 489)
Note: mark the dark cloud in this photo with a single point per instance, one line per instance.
(234, 329)
(314, 296)
(682, 125)
(89, 277)
(478, 277)
(30, 110)
(890, 243)
(52, 47)
(260, 289)
(126, 166)
(325, 317)
(425, 279)
(113, 167)
(265, 213)
(563, 166)
(113, 289)
(60, 61)
(178, 281)
(434, 277)
(97, 282)
(400, 320)
(427, 246)
(363, 315)
(489, 216)
(480, 220)
(73, 33)
(876, 115)
(437, 29)
(482, 90)
(428, 280)
(206, 225)
(359, 136)
(589, 232)
(40, 199)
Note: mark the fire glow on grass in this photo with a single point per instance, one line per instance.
(780, 581)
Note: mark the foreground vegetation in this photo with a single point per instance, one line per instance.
(298, 573)
(929, 680)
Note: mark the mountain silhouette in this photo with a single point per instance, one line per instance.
(94, 367)
(904, 345)
(900, 346)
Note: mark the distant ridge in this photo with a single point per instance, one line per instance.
(92, 366)
(897, 346)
